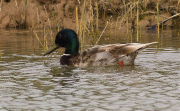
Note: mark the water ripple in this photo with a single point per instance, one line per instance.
(32, 82)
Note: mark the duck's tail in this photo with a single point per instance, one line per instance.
(129, 58)
(151, 43)
(143, 46)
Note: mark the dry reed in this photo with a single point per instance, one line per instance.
(0, 55)
(158, 16)
(138, 21)
(97, 16)
(103, 31)
(90, 21)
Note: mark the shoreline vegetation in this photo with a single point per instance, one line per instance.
(88, 16)
(92, 13)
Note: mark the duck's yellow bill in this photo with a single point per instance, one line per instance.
(51, 49)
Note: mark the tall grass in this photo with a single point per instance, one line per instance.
(0, 55)
(81, 26)
(103, 31)
(126, 15)
(88, 21)
(178, 5)
(0, 6)
(77, 20)
(158, 16)
(25, 4)
(97, 16)
(48, 17)
(138, 21)
(37, 15)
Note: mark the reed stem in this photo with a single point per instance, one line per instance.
(158, 16)
(39, 39)
(0, 55)
(77, 21)
(81, 25)
(103, 31)
(138, 21)
(25, 4)
(48, 17)
(97, 16)
(0, 7)
(38, 15)
(177, 5)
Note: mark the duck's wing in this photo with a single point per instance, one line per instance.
(108, 54)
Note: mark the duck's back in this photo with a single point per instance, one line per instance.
(101, 55)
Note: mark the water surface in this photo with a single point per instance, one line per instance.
(29, 81)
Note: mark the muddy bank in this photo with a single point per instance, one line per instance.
(62, 13)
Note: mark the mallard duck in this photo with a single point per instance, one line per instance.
(113, 54)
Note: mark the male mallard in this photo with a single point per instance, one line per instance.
(122, 54)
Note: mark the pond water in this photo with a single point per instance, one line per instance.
(29, 81)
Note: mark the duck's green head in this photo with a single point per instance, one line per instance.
(65, 38)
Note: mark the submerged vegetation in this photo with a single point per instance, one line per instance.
(89, 17)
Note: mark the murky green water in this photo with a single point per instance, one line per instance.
(28, 81)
